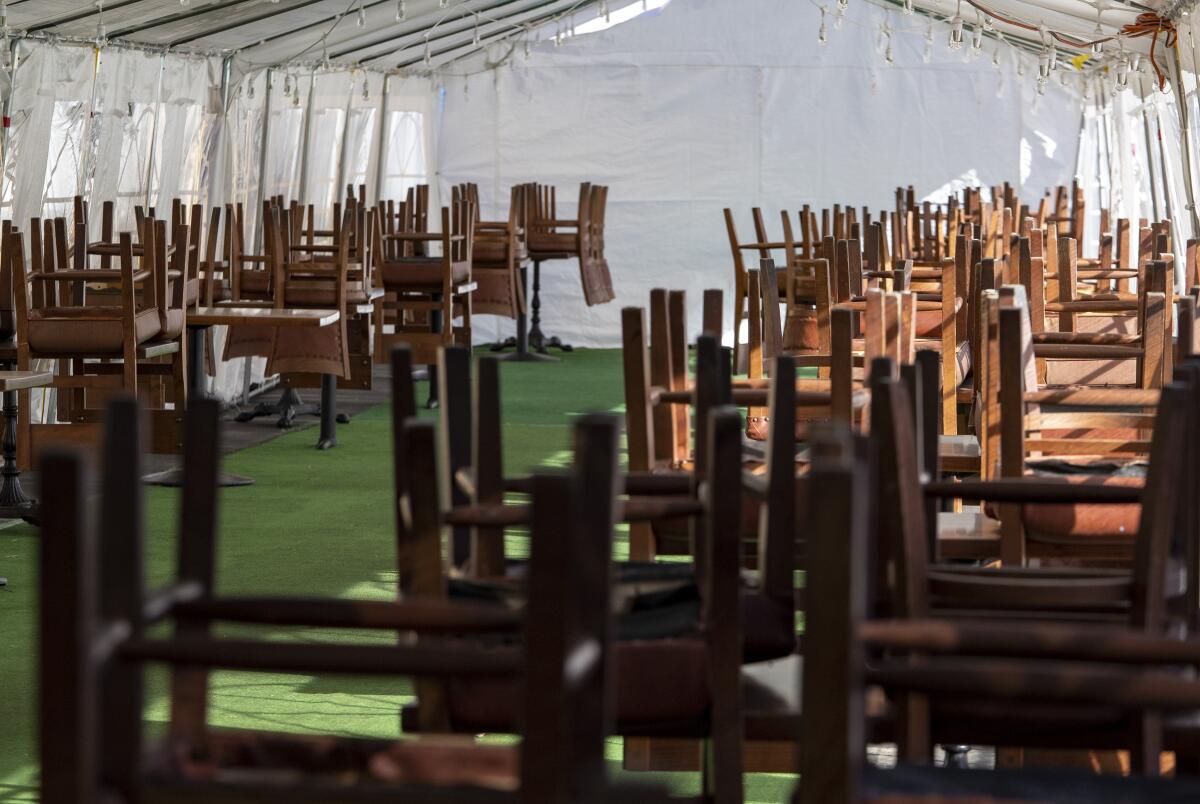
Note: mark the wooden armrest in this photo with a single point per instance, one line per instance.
(1076, 641)
(1096, 397)
(1093, 306)
(88, 275)
(635, 509)
(460, 660)
(1091, 338)
(761, 246)
(1086, 351)
(1034, 490)
(410, 615)
(638, 483)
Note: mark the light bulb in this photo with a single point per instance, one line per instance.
(296, 99)
(1041, 86)
(401, 11)
(822, 32)
(977, 40)
(1053, 59)
(571, 25)
(250, 89)
(888, 56)
(428, 53)
(361, 20)
(603, 10)
(287, 84)
(366, 93)
(956, 33)
(843, 4)
(908, 8)
(1043, 65)
(185, 2)
(927, 54)
(475, 38)
(1098, 46)
(1123, 74)
(443, 3)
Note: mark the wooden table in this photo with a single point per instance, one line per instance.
(201, 318)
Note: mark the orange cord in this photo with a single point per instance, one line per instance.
(1150, 24)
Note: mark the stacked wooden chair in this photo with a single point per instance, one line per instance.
(550, 238)
(93, 655)
(425, 294)
(105, 327)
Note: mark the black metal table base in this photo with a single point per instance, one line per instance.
(521, 342)
(196, 383)
(537, 339)
(13, 502)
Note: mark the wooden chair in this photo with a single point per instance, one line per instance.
(658, 694)
(54, 321)
(552, 238)
(93, 656)
(499, 257)
(1017, 432)
(439, 286)
(1016, 667)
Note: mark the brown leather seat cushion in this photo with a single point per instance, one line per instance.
(490, 250)
(658, 680)
(801, 334)
(560, 242)
(69, 330)
(1076, 522)
(929, 323)
(421, 272)
(255, 283)
(174, 326)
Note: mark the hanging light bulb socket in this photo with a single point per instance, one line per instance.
(401, 11)
(822, 31)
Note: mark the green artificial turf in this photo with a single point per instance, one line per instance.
(315, 523)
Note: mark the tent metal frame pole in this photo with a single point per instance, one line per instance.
(224, 139)
(341, 165)
(162, 67)
(6, 142)
(1185, 145)
(1149, 150)
(381, 146)
(262, 162)
(304, 140)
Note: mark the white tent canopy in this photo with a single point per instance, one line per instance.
(684, 108)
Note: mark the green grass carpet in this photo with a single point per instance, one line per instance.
(315, 523)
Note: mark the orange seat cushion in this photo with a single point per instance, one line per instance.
(929, 323)
(1077, 522)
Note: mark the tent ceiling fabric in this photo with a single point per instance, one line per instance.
(262, 32)
(271, 32)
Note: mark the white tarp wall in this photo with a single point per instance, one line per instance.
(709, 104)
(144, 128)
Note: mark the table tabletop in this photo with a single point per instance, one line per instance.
(20, 380)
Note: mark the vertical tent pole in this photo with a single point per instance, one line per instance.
(381, 146)
(5, 142)
(162, 66)
(1149, 148)
(262, 165)
(304, 140)
(1185, 149)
